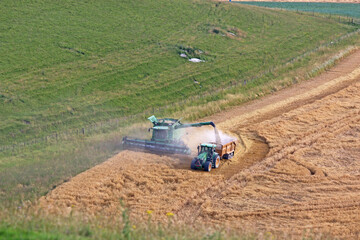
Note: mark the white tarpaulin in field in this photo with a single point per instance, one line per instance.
(196, 60)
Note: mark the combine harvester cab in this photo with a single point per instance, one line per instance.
(166, 137)
(210, 154)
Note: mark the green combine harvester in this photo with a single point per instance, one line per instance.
(166, 137)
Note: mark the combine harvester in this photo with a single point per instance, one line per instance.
(166, 136)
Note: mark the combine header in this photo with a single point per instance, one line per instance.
(166, 136)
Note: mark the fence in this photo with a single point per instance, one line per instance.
(341, 18)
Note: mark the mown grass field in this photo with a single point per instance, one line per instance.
(343, 9)
(69, 64)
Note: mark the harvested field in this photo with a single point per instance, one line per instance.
(298, 168)
(309, 179)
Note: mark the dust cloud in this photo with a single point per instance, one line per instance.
(194, 136)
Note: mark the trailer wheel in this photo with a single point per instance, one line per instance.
(216, 162)
(193, 164)
(207, 166)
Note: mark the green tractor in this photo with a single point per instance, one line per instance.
(207, 157)
(209, 154)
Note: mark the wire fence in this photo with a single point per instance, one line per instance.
(341, 17)
(338, 17)
(113, 124)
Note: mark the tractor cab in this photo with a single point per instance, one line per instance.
(206, 148)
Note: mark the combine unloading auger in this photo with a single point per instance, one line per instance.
(166, 136)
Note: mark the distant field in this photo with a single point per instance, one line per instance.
(343, 9)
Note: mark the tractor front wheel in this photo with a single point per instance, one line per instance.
(208, 166)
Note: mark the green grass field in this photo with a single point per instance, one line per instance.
(343, 9)
(103, 65)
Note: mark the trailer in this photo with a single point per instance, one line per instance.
(226, 150)
(210, 154)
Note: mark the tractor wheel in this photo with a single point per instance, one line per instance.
(193, 164)
(208, 166)
(216, 162)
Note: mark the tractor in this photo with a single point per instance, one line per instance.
(209, 154)
(207, 157)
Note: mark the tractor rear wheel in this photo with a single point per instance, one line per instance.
(193, 164)
(216, 162)
(208, 166)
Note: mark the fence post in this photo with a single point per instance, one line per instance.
(83, 131)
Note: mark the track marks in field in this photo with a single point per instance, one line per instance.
(310, 178)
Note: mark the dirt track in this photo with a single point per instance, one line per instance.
(298, 169)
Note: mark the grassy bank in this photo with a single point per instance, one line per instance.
(24, 224)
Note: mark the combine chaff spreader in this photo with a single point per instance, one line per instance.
(166, 136)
